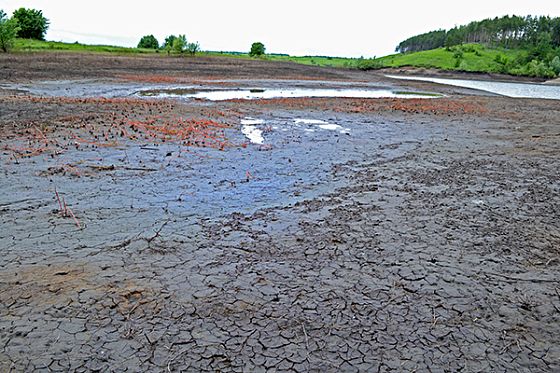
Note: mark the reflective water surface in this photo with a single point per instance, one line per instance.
(252, 94)
(521, 90)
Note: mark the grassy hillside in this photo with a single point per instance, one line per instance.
(30, 45)
(318, 61)
(27, 45)
(471, 58)
(468, 57)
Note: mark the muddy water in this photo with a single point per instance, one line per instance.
(252, 94)
(209, 91)
(294, 165)
(253, 129)
(518, 90)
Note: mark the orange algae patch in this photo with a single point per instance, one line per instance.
(108, 122)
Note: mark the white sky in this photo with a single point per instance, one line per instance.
(350, 28)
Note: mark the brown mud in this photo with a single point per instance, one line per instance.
(150, 235)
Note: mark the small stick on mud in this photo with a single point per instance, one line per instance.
(64, 210)
(59, 203)
(65, 213)
(74, 217)
(16, 159)
(306, 340)
(158, 231)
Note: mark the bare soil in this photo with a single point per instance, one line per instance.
(149, 234)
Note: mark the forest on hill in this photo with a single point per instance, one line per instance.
(507, 32)
(528, 46)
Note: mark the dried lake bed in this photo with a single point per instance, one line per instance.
(287, 234)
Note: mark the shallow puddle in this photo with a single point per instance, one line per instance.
(93, 88)
(251, 121)
(255, 135)
(320, 124)
(254, 93)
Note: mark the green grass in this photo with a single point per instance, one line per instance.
(29, 45)
(475, 58)
(305, 60)
(317, 61)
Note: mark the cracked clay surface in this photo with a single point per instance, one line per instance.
(414, 240)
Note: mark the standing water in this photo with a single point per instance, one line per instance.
(253, 94)
(519, 90)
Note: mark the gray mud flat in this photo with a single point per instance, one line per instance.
(397, 242)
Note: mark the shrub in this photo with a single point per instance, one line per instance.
(369, 64)
(32, 24)
(458, 55)
(555, 65)
(180, 43)
(500, 59)
(148, 42)
(257, 49)
(537, 69)
(168, 43)
(8, 31)
(193, 48)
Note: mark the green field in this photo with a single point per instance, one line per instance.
(30, 45)
(304, 60)
(27, 45)
(473, 58)
(468, 57)
(318, 61)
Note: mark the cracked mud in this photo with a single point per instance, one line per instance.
(425, 237)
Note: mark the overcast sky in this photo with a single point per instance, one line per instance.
(349, 28)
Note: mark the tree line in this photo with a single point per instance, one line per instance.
(31, 24)
(538, 37)
(172, 43)
(179, 44)
(508, 32)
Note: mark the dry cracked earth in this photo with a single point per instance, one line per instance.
(417, 240)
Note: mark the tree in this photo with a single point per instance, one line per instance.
(180, 43)
(168, 43)
(555, 65)
(148, 42)
(32, 24)
(8, 31)
(542, 48)
(192, 48)
(257, 49)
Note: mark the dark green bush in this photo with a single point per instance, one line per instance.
(148, 42)
(168, 43)
(257, 49)
(32, 24)
(366, 65)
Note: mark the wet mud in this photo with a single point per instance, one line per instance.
(359, 235)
